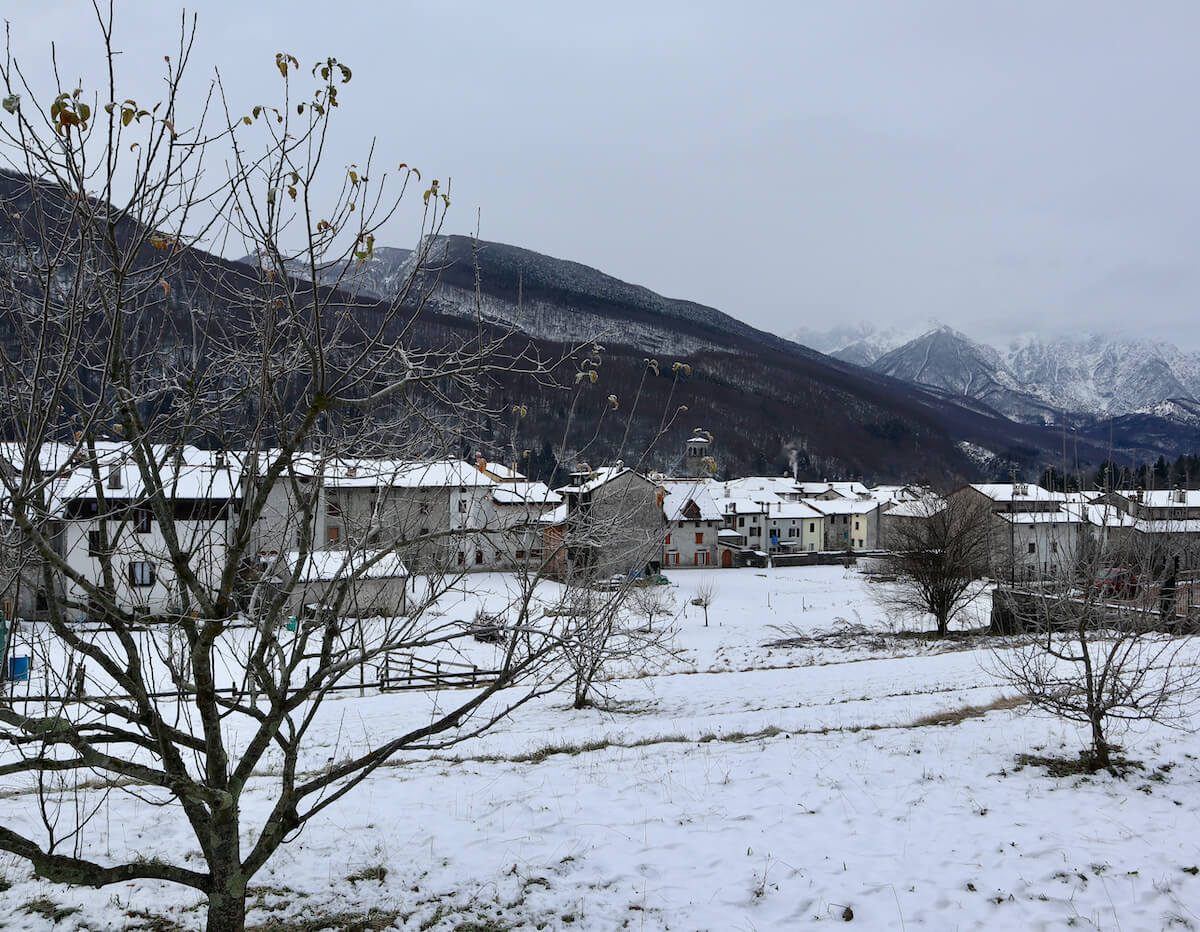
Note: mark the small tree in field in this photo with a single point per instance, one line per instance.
(651, 601)
(205, 417)
(706, 593)
(1104, 650)
(939, 546)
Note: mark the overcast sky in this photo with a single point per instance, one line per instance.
(1001, 167)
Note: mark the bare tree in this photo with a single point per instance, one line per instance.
(651, 600)
(1102, 646)
(706, 593)
(214, 472)
(939, 548)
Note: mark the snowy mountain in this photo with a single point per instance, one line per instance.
(859, 344)
(949, 360)
(1100, 375)
(1031, 378)
(377, 277)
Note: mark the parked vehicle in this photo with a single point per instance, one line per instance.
(1116, 582)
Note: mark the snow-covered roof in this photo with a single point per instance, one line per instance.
(897, 493)
(554, 516)
(1164, 498)
(122, 480)
(752, 486)
(844, 506)
(924, 507)
(501, 472)
(352, 473)
(329, 565)
(1168, 526)
(677, 495)
(1018, 492)
(748, 506)
(525, 493)
(597, 478)
(795, 510)
(850, 489)
(1065, 516)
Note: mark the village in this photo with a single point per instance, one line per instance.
(375, 523)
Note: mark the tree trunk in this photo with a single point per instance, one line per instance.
(943, 626)
(227, 885)
(1100, 755)
(226, 909)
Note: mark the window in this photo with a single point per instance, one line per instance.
(856, 525)
(462, 506)
(423, 508)
(700, 537)
(756, 532)
(741, 522)
(333, 508)
(95, 547)
(462, 558)
(1054, 546)
(667, 542)
(141, 520)
(535, 554)
(334, 533)
(1032, 547)
(812, 527)
(141, 573)
(520, 554)
(424, 531)
(478, 557)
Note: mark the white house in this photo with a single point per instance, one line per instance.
(795, 526)
(113, 535)
(694, 521)
(850, 524)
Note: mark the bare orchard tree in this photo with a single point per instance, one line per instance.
(651, 601)
(938, 550)
(1103, 646)
(706, 594)
(229, 489)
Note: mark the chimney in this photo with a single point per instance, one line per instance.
(480, 463)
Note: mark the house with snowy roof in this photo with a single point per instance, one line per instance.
(112, 517)
(694, 521)
(1031, 533)
(437, 513)
(613, 523)
(850, 524)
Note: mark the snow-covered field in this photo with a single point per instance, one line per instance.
(736, 787)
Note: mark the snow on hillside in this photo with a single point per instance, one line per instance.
(1085, 373)
(738, 786)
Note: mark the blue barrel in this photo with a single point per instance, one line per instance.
(18, 668)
